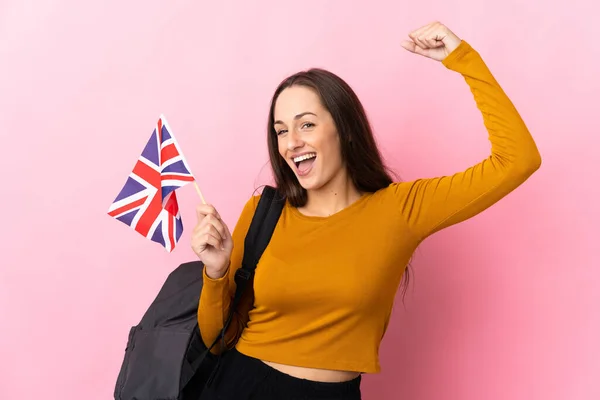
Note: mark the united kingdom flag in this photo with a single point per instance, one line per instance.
(147, 202)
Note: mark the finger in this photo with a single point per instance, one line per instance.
(202, 210)
(408, 45)
(432, 43)
(209, 223)
(203, 222)
(429, 35)
(425, 41)
(413, 48)
(203, 239)
(433, 36)
(208, 228)
(416, 38)
(214, 241)
(217, 225)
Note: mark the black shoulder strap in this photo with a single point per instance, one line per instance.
(257, 238)
(259, 234)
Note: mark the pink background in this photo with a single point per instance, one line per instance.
(504, 306)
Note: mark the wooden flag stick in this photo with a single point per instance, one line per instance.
(199, 192)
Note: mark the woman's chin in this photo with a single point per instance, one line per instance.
(309, 183)
(312, 180)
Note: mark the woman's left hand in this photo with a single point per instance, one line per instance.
(433, 41)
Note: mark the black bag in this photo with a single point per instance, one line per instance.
(165, 357)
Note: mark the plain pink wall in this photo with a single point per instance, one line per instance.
(504, 306)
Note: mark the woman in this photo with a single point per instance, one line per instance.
(324, 288)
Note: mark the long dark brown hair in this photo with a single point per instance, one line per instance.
(359, 149)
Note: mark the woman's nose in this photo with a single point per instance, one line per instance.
(294, 140)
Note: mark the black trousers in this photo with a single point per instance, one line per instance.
(240, 377)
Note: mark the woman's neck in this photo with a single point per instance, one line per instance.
(331, 198)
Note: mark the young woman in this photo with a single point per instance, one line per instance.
(323, 290)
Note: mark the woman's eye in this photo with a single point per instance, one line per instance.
(279, 132)
(308, 125)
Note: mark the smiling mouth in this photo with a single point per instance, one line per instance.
(305, 157)
(304, 163)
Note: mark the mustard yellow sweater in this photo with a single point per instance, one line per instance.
(324, 288)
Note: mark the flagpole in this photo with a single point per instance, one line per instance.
(199, 192)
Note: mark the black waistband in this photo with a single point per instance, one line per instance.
(247, 374)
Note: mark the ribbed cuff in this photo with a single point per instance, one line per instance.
(457, 54)
(208, 278)
(215, 290)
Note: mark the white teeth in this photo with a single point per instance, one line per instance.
(305, 157)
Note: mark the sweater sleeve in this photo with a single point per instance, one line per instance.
(217, 294)
(430, 205)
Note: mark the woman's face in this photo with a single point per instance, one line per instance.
(307, 137)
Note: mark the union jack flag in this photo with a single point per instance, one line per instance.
(147, 202)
